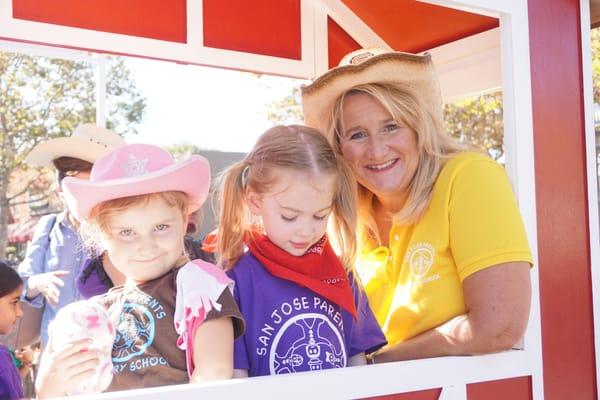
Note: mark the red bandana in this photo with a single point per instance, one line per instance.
(319, 269)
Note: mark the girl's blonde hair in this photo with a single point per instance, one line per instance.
(297, 148)
(434, 144)
(96, 225)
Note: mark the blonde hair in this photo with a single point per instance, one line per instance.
(435, 147)
(96, 224)
(297, 148)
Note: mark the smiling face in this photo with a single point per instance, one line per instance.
(145, 240)
(10, 310)
(383, 153)
(294, 212)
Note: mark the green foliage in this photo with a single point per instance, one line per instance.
(595, 38)
(181, 151)
(477, 121)
(288, 110)
(43, 98)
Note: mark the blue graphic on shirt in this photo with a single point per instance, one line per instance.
(134, 332)
(313, 345)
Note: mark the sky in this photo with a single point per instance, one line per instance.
(212, 108)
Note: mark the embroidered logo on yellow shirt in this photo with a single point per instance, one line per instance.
(420, 258)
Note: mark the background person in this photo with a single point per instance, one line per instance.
(11, 286)
(55, 254)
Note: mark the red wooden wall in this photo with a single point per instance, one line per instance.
(563, 237)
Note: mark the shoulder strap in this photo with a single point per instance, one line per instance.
(50, 225)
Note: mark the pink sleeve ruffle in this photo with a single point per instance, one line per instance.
(199, 286)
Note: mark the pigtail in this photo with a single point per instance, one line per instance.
(344, 215)
(233, 224)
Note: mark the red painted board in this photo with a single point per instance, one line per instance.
(413, 26)
(156, 19)
(260, 26)
(503, 389)
(562, 212)
(339, 43)
(430, 394)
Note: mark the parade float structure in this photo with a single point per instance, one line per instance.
(536, 51)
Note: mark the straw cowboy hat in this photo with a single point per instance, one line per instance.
(88, 142)
(370, 66)
(136, 169)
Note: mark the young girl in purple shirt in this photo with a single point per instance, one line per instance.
(11, 286)
(302, 304)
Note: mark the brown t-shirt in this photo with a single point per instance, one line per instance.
(145, 352)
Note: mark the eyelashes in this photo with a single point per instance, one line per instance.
(129, 233)
(292, 219)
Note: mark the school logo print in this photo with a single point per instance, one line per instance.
(134, 332)
(315, 344)
(420, 259)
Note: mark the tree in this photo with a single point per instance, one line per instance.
(42, 98)
(181, 151)
(477, 121)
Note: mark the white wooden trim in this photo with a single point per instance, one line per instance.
(321, 45)
(519, 150)
(308, 38)
(195, 22)
(100, 90)
(592, 176)
(490, 8)
(46, 51)
(469, 66)
(454, 392)
(353, 25)
(352, 382)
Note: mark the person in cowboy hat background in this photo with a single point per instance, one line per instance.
(55, 253)
(443, 256)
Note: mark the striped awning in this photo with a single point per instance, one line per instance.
(22, 231)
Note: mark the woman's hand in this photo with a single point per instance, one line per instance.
(64, 368)
(497, 299)
(48, 284)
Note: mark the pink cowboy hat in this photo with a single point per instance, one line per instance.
(137, 169)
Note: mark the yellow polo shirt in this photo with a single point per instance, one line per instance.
(472, 223)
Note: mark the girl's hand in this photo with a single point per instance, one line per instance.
(65, 368)
(25, 356)
(48, 284)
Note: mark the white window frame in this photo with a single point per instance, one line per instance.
(450, 373)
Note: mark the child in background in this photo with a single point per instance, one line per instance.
(173, 318)
(302, 305)
(11, 286)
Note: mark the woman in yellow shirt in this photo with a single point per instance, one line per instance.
(444, 255)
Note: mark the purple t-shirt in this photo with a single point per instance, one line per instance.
(289, 328)
(92, 280)
(10, 381)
